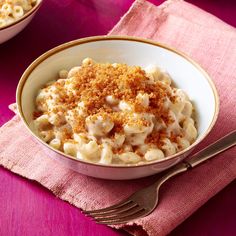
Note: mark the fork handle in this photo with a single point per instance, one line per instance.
(210, 151)
(213, 149)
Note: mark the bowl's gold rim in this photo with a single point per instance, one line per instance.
(35, 8)
(61, 47)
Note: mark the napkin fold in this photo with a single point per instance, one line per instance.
(205, 38)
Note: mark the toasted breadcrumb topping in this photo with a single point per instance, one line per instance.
(95, 81)
(114, 113)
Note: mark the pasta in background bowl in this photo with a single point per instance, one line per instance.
(141, 125)
(15, 15)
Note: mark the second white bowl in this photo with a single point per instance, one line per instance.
(9, 31)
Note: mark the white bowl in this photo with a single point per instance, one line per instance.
(186, 74)
(9, 31)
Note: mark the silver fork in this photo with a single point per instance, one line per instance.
(144, 201)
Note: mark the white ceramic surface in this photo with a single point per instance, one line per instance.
(13, 29)
(186, 74)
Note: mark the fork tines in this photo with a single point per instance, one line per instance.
(117, 214)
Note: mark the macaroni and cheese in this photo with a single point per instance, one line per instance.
(12, 10)
(114, 114)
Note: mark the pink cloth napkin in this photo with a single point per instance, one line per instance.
(210, 42)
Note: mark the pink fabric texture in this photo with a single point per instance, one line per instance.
(210, 42)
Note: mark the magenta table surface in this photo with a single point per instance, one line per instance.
(26, 208)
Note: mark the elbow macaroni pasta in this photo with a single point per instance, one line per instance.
(12, 10)
(114, 129)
